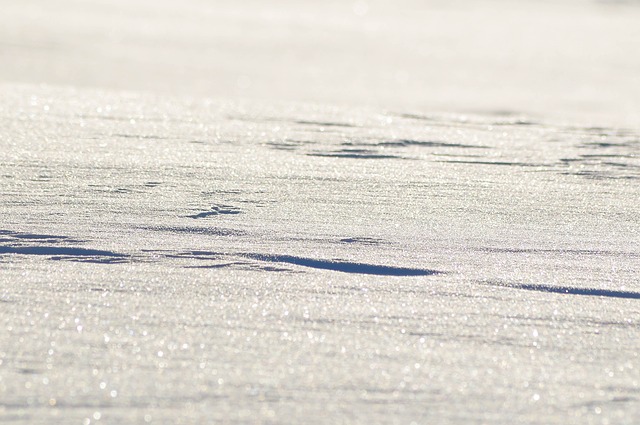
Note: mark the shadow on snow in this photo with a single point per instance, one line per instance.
(343, 266)
(569, 290)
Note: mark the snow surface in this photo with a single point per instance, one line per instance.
(337, 250)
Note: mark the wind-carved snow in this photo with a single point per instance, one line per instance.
(55, 247)
(219, 261)
(170, 253)
(217, 210)
(555, 289)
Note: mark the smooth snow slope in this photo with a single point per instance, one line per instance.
(570, 60)
(194, 261)
(199, 258)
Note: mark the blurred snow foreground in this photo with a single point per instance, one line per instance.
(457, 242)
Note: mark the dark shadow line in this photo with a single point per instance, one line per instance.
(19, 235)
(216, 266)
(92, 259)
(561, 251)
(212, 231)
(569, 290)
(217, 210)
(54, 250)
(501, 163)
(324, 123)
(420, 143)
(363, 241)
(13, 237)
(343, 266)
(139, 136)
(210, 213)
(355, 156)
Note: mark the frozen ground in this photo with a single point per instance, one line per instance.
(457, 243)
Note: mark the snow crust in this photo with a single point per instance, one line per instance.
(176, 255)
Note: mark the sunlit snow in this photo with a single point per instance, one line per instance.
(309, 212)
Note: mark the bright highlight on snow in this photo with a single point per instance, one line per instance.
(343, 212)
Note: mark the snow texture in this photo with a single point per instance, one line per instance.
(340, 248)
